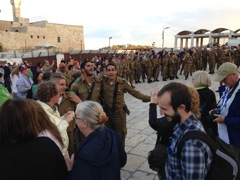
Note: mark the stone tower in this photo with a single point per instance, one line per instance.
(16, 10)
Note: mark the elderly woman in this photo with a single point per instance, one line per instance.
(24, 152)
(48, 95)
(101, 155)
(201, 82)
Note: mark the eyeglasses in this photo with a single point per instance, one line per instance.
(76, 118)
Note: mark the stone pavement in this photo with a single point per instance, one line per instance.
(141, 137)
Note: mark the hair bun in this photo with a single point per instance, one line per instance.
(102, 118)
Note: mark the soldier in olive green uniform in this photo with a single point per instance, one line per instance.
(149, 64)
(131, 66)
(68, 102)
(176, 65)
(138, 69)
(144, 67)
(114, 85)
(156, 67)
(187, 62)
(87, 87)
(236, 56)
(199, 59)
(165, 62)
(125, 73)
(171, 67)
(119, 66)
(204, 59)
(212, 60)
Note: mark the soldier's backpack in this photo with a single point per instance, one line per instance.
(226, 158)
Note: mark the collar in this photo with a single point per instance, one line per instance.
(200, 87)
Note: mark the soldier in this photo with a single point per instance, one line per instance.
(125, 68)
(171, 67)
(149, 64)
(144, 67)
(236, 56)
(156, 67)
(187, 63)
(68, 102)
(177, 65)
(131, 65)
(204, 59)
(87, 87)
(119, 66)
(113, 95)
(212, 60)
(138, 69)
(165, 62)
(199, 59)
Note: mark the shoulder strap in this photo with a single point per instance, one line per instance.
(90, 93)
(115, 97)
(196, 135)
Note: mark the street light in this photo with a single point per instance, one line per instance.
(109, 42)
(153, 44)
(163, 36)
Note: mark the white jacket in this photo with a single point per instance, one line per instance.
(60, 122)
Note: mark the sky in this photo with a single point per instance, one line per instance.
(128, 21)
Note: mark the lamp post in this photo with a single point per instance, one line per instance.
(163, 36)
(153, 44)
(109, 41)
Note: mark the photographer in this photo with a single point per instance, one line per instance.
(229, 118)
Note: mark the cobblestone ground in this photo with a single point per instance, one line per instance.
(141, 137)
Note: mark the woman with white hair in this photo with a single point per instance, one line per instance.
(201, 82)
(101, 154)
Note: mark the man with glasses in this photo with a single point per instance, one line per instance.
(229, 105)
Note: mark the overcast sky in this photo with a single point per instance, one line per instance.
(128, 21)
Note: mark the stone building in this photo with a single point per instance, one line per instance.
(23, 35)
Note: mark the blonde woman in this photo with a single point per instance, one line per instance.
(101, 154)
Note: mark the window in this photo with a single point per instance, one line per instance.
(58, 39)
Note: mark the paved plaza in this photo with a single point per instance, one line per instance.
(141, 137)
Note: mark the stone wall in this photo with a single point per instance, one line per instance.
(64, 37)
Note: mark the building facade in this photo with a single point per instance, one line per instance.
(22, 35)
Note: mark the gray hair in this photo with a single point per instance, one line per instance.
(92, 112)
(201, 78)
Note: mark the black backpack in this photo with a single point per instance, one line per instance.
(226, 158)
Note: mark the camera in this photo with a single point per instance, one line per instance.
(211, 116)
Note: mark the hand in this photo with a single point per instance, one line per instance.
(69, 116)
(69, 161)
(74, 98)
(153, 94)
(219, 119)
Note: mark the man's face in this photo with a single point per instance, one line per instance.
(88, 69)
(61, 84)
(111, 73)
(166, 109)
(26, 72)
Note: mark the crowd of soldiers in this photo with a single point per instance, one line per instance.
(150, 65)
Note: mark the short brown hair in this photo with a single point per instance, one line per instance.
(46, 90)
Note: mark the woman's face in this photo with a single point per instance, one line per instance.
(39, 78)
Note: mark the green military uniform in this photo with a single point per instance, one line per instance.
(187, 61)
(138, 69)
(156, 67)
(119, 68)
(84, 90)
(212, 61)
(165, 63)
(118, 120)
(149, 64)
(125, 73)
(236, 57)
(199, 62)
(144, 68)
(204, 59)
(131, 66)
(67, 105)
(171, 67)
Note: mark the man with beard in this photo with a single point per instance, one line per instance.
(174, 100)
(113, 89)
(87, 87)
